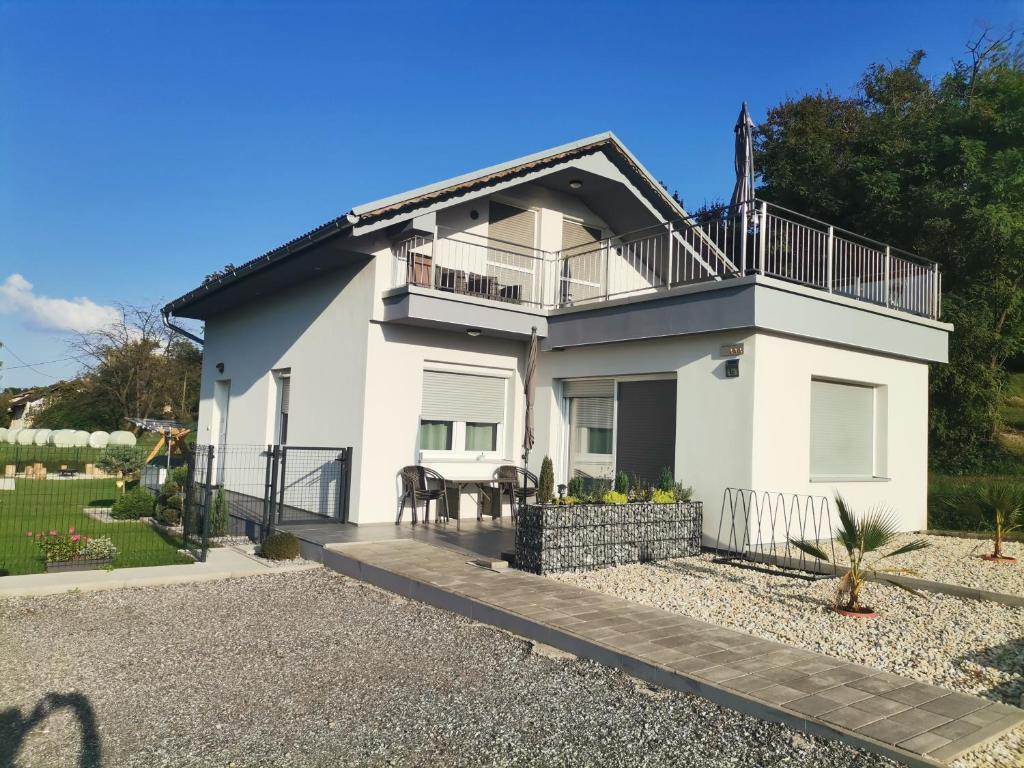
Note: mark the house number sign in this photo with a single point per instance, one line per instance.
(730, 350)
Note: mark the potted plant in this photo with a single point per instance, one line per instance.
(1002, 506)
(862, 536)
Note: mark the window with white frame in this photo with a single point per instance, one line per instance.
(843, 429)
(282, 404)
(462, 412)
(591, 410)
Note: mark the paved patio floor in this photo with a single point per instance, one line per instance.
(910, 721)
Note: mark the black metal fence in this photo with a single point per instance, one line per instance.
(552, 538)
(248, 490)
(59, 510)
(759, 527)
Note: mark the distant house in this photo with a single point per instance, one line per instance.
(750, 348)
(21, 406)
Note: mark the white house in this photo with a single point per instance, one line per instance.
(748, 348)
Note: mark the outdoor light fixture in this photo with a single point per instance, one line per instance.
(575, 184)
(220, 367)
(473, 331)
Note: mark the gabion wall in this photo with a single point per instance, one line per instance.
(583, 536)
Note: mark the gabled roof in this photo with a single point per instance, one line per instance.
(396, 205)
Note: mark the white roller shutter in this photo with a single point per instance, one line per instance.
(593, 412)
(449, 396)
(842, 430)
(286, 392)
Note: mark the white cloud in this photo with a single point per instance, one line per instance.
(45, 314)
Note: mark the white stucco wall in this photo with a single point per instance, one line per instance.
(318, 330)
(714, 415)
(783, 369)
(396, 358)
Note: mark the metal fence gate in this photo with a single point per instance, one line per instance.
(246, 490)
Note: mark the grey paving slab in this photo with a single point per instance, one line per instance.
(910, 721)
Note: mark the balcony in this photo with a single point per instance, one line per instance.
(722, 244)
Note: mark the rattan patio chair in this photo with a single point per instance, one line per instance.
(416, 486)
(520, 484)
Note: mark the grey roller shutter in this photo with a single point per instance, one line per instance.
(512, 226)
(286, 391)
(645, 435)
(842, 429)
(579, 236)
(449, 396)
(589, 388)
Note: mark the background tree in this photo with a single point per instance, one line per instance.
(133, 367)
(936, 168)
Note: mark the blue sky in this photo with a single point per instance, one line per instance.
(143, 145)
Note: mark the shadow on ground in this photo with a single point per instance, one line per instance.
(15, 727)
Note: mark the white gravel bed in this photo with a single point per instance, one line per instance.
(955, 560)
(312, 669)
(971, 646)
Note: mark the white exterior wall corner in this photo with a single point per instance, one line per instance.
(396, 358)
(319, 330)
(782, 372)
(714, 414)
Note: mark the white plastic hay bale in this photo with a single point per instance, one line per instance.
(99, 439)
(26, 437)
(121, 437)
(51, 439)
(43, 436)
(3, 434)
(65, 438)
(12, 435)
(80, 439)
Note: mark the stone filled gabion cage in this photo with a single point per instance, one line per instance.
(552, 538)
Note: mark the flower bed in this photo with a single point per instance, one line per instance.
(72, 551)
(552, 538)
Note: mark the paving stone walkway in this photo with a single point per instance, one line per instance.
(910, 721)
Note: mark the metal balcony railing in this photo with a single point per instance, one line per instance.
(720, 244)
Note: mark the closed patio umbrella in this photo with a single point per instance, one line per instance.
(529, 387)
(743, 193)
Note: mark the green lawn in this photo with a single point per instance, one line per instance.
(45, 505)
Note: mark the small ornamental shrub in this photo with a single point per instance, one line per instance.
(100, 548)
(614, 497)
(641, 490)
(666, 482)
(576, 488)
(219, 515)
(124, 461)
(682, 492)
(622, 482)
(567, 501)
(546, 482)
(132, 505)
(663, 497)
(179, 475)
(168, 515)
(280, 546)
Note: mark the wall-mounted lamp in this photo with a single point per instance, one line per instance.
(220, 367)
(472, 331)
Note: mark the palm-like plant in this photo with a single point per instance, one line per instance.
(1002, 505)
(862, 536)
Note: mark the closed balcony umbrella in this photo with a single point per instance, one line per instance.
(529, 387)
(743, 193)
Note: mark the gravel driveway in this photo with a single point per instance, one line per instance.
(312, 669)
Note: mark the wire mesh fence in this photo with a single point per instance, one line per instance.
(247, 490)
(70, 509)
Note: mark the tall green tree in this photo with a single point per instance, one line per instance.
(935, 167)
